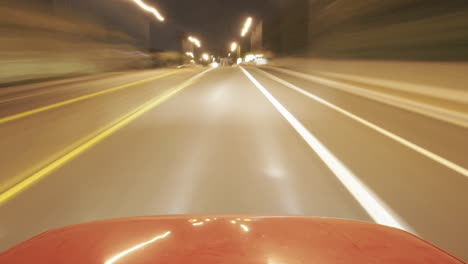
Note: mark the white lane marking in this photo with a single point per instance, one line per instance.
(429, 110)
(424, 90)
(449, 164)
(368, 200)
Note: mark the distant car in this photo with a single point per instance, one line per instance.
(213, 239)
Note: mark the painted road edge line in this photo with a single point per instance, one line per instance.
(423, 90)
(24, 184)
(443, 161)
(82, 98)
(53, 85)
(376, 209)
(441, 114)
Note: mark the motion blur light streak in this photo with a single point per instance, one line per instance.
(374, 207)
(195, 41)
(198, 224)
(247, 25)
(234, 46)
(246, 229)
(190, 54)
(250, 58)
(126, 252)
(150, 9)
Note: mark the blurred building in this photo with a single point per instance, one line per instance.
(256, 37)
(286, 32)
(117, 15)
(369, 29)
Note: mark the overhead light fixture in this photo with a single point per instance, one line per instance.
(247, 25)
(150, 9)
(195, 41)
(234, 46)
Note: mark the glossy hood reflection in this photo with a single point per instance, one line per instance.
(209, 239)
(125, 252)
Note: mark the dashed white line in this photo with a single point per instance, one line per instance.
(368, 200)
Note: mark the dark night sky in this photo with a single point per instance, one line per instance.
(215, 22)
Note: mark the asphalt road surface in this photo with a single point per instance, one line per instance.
(226, 140)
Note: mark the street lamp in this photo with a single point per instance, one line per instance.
(195, 41)
(234, 46)
(247, 25)
(149, 9)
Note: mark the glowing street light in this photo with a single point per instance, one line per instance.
(206, 57)
(190, 54)
(247, 25)
(149, 9)
(195, 41)
(234, 46)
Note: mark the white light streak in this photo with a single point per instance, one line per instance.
(246, 229)
(195, 41)
(234, 46)
(247, 25)
(250, 58)
(125, 252)
(150, 9)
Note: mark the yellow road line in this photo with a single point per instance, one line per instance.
(81, 98)
(52, 87)
(10, 193)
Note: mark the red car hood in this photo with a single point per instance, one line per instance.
(226, 239)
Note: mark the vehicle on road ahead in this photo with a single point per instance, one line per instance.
(209, 239)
